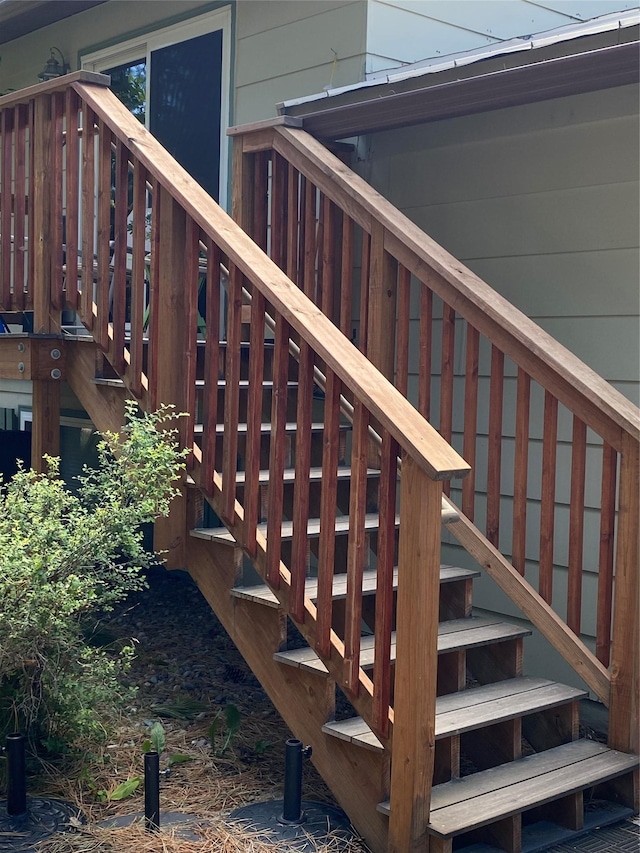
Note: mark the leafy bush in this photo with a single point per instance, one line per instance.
(67, 559)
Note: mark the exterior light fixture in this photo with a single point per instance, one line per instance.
(53, 68)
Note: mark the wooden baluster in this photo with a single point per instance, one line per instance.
(384, 585)
(252, 487)
(120, 239)
(72, 197)
(520, 470)
(231, 394)
(328, 257)
(154, 295)
(293, 217)
(300, 545)
(309, 246)
(20, 247)
(605, 561)
(57, 138)
(88, 214)
(346, 277)
(576, 524)
(446, 376)
(211, 367)
(494, 462)
(404, 326)
(356, 547)
(625, 654)
(381, 312)
(278, 196)
(277, 451)
(328, 499)
(101, 331)
(470, 439)
(319, 258)
(138, 237)
(261, 180)
(6, 230)
(190, 318)
(548, 495)
(426, 333)
(363, 341)
(416, 658)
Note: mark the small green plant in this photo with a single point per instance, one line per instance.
(231, 719)
(157, 741)
(67, 558)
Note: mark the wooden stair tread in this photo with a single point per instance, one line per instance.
(474, 708)
(262, 593)
(482, 798)
(454, 635)
(223, 535)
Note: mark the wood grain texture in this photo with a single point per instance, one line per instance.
(382, 298)
(521, 471)
(87, 224)
(254, 421)
(138, 275)
(425, 355)
(494, 462)
(211, 366)
(57, 137)
(19, 225)
(606, 554)
(469, 447)
(548, 496)
(6, 204)
(576, 525)
(103, 280)
(72, 196)
(232, 395)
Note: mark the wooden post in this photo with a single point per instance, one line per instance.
(172, 321)
(45, 435)
(413, 750)
(625, 655)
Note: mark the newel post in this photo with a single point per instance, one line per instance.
(172, 322)
(45, 435)
(625, 653)
(416, 659)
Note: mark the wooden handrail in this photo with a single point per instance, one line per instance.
(393, 411)
(573, 383)
(59, 84)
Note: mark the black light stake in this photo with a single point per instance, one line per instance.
(151, 791)
(17, 775)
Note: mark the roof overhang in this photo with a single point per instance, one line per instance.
(19, 17)
(384, 107)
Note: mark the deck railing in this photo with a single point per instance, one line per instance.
(550, 509)
(98, 219)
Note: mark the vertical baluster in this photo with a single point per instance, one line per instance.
(191, 284)
(576, 524)
(277, 451)
(20, 248)
(88, 213)
(470, 419)
(211, 367)
(72, 197)
(261, 199)
(358, 542)
(328, 257)
(103, 284)
(137, 275)
(328, 498)
(254, 421)
(231, 394)
(120, 235)
(293, 215)
(446, 376)
(309, 249)
(426, 332)
(278, 196)
(6, 129)
(319, 256)
(605, 562)
(520, 470)
(548, 495)
(154, 295)
(494, 462)
(363, 342)
(384, 584)
(346, 276)
(57, 281)
(404, 325)
(300, 545)
(31, 256)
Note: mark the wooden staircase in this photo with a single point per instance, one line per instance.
(318, 489)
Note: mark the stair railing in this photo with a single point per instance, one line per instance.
(552, 499)
(113, 229)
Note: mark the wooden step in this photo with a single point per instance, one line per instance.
(454, 635)
(267, 384)
(291, 428)
(483, 798)
(315, 475)
(262, 594)
(224, 536)
(474, 708)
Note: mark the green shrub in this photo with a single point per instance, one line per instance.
(66, 559)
